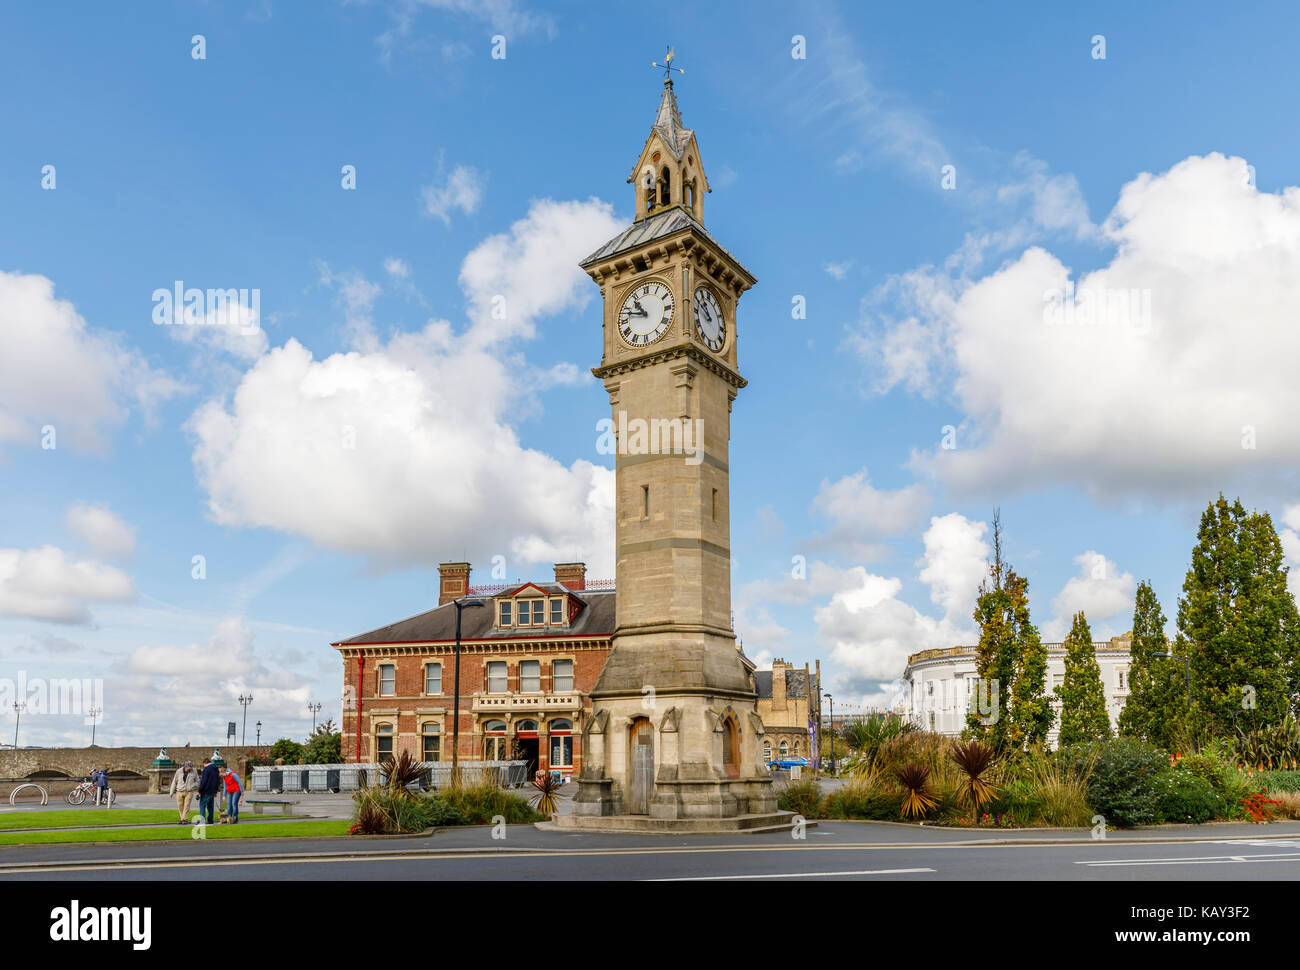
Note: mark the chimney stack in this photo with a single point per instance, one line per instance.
(779, 667)
(453, 581)
(571, 574)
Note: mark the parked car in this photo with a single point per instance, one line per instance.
(785, 764)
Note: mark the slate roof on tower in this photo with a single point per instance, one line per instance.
(658, 226)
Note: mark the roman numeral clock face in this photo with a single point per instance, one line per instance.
(708, 319)
(646, 314)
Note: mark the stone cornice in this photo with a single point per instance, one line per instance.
(690, 351)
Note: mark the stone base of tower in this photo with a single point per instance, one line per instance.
(680, 756)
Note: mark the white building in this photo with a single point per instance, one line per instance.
(939, 685)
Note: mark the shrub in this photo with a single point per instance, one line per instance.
(1122, 785)
(1288, 803)
(480, 804)
(1188, 797)
(290, 751)
(801, 797)
(1286, 781)
(865, 798)
(1058, 789)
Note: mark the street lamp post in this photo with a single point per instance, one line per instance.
(1187, 673)
(19, 707)
(243, 731)
(314, 708)
(259, 733)
(94, 716)
(461, 606)
(832, 700)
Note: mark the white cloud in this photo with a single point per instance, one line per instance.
(56, 370)
(463, 190)
(1100, 591)
(102, 529)
(954, 564)
(396, 268)
(401, 451)
(46, 584)
(861, 515)
(839, 270)
(1201, 393)
(230, 326)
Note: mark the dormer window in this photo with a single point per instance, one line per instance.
(507, 613)
(557, 615)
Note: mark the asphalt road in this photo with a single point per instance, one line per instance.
(835, 850)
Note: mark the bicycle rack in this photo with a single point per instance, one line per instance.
(45, 796)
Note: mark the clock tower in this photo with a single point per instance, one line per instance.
(674, 734)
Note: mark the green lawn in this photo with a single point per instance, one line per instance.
(91, 817)
(86, 816)
(180, 833)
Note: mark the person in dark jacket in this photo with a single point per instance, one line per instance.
(209, 786)
(103, 792)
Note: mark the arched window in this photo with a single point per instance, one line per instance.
(730, 748)
(526, 727)
(665, 186)
(494, 740)
(561, 731)
(690, 195)
(767, 751)
(785, 749)
(430, 742)
(383, 741)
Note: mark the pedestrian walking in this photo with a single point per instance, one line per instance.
(209, 786)
(234, 792)
(185, 785)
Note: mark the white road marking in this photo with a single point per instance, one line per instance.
(793, 875)
(1197, 860)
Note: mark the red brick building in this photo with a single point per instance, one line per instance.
(530, 655)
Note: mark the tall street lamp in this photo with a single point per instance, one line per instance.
(1187, 673)
(461, 605)
(19, 707)
(832, 700)
(314, 708)
(94, 715)
(243, 732)
(259, 733)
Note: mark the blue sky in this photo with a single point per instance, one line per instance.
(475, 437)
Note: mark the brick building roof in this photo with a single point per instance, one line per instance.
(596, 619)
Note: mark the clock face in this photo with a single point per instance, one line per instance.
(708, 319)
(646, 313)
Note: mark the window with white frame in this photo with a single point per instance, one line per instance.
(557, 611)
(431, 742)
(507, 613)
(1120, 674)
(433, 678)
(383, 741)
(561, 732)
(562, 675)
(497, 677)
(387, 680)
(530, 676)
(784, 749)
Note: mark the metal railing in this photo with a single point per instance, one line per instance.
(279, 779)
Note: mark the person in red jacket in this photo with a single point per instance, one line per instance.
(234, 792)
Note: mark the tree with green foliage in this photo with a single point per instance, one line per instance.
(1010, 660)
(1238, 622)
(290, 751)
(324, 747)
(1157, 704)
(1083, 699)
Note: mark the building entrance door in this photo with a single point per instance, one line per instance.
(528, 752)
(642, 780)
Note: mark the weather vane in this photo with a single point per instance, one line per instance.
(667, 65)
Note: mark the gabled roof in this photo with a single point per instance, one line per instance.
(596, 619)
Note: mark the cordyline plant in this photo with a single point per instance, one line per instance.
(402, 770)
(545, 801)
(974, 758)
(915, 780)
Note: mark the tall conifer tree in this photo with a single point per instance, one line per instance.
(1240, 622)
(1083, 699)
(1156, 708)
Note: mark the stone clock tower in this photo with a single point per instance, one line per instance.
(674, 734)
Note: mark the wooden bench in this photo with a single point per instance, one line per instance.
(284, 803)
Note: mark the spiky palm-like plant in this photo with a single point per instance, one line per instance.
(545, 801)
(974, 758)
(402, 770)
(915, 780)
